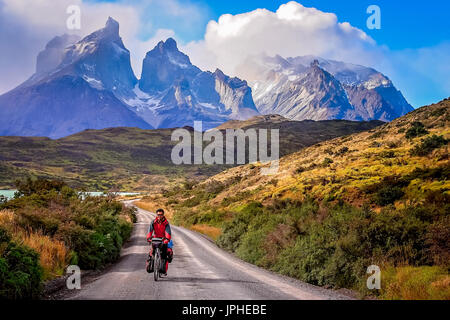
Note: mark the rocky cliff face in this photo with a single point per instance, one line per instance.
(173, 92)
(53, 54)
(81, 92)
(314, 88)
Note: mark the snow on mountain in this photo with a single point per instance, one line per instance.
(292, 88)
(173, 92)
(82, 92)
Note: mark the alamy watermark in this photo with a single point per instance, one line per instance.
(374, 280)
(235, 147)
(73, 22)
(74, 279)
(374, 20)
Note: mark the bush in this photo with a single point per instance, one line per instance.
(326, 162)
(438, 241)
(388, 190)
(335, 245)
(388, 195)
(387, 154)
(429, 144)
(417, 129)
(51, 218)
(342, 151)
(230, 239)
(20, 272)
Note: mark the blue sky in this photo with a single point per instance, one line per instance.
(405, 24)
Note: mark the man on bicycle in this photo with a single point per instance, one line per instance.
(160, 228)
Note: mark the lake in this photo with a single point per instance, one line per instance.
(7, 193)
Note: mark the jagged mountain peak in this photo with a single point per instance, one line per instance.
(170, 44)
(219, 73)
(167, 52)
(109, 33)
(293, 86)
(112, 25)
(163, 65)
(176, 92)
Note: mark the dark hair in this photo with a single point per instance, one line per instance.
(160, 210)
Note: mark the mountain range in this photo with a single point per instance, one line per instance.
(310, 87)
(89, 84)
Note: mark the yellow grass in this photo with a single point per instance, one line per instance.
(54, 255)
(415, 283)
(7, 220)
(212, 232)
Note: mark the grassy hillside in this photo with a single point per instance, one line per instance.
(121, 158)
(134, 159)
(377, 197)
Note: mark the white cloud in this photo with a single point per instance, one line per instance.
(295, 30)
(292, 30)
(27, 25)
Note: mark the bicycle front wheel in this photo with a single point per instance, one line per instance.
(157, 264)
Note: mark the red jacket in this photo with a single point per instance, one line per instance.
(160, 230)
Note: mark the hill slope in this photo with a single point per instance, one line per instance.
(132, 158)
(377, 197)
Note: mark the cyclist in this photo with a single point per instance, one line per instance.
(160, 228)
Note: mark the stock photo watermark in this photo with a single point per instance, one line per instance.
(374, 280)
(235, 151)
(74, 279)
(73, 22)
(374, 20)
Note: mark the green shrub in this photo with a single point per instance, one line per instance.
(326, 162)
(342, 151)
(230, 239)
(20, 272)
(212, 217)
(429, 144)
(388, 195)
(387, 154)
(334, 246)
(417, 129)
(93, 228)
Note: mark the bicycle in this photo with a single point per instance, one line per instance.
(157, 262)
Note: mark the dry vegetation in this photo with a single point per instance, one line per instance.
(380, 196)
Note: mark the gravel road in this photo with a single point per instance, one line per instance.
(199, 271)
